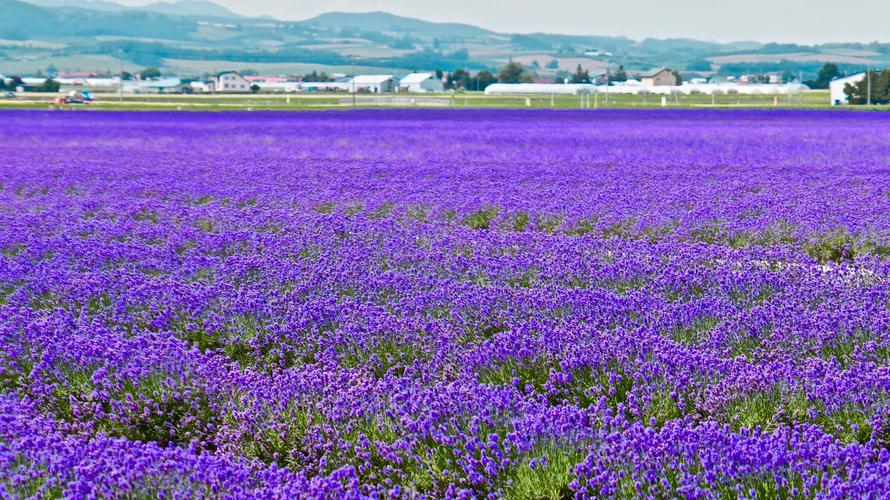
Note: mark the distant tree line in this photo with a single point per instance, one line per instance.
(461, 79)
(790, 68)
(14, 82)
(10, 83)
(154, 53)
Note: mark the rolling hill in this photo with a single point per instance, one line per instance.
(71, 35)
(384, 21)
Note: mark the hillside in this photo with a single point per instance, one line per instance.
(176, 8)
(384, 21)
(193, 36)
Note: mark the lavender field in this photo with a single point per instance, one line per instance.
(416, 303)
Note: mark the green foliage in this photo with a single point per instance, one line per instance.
(383, 211)
(546, 475)
(418, 212)
(155, 408)
(620, 229)
(696, 332)
(778, 406)
(206, 226)
(481, 219)
(325, 208)
(525, 279)
(513, 72)
(481, 80)
(840, 246)
(875, 86)
(580, 76)
(583, 226)
(150, 72)
(826, 74)
(278, 436)
(49, 85)
(518, 221)
(548, 223)
(845, 346)
(745, 343)
(146, 215)
(386, 357)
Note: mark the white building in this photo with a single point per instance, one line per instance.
(540, 88)
(201, 87)
(231, 82)
(635, 88)
(420, 83)
(373, 84)
(273, 83)
(92, 84)
(156, 86)
(338, 86)
(838, 97)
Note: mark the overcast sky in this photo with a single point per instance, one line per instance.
(802, 21)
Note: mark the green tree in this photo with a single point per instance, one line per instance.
(678, 78)
(619, 75)
(315, 76)
(553, 64)
(483, 79)
(858, 93)
(49, 85)
(150, 72)
(458, 79)
(254, 88)
(580, 76)
(14, 82)
(826, 74)
(513, 72)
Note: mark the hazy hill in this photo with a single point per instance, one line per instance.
(384, 21)
(189, 37)
(201, 8)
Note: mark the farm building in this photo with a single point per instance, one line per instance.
(836, 87)
(231, 82)
(338, 86)
(273, 83)
(92, 84)
(661, 77)
(157, 86)
(421, 82)
(540, 88)
(635, 88)
(200, 87)
(373, 84)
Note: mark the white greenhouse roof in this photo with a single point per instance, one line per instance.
(416, 78)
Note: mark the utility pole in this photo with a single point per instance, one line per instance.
(868, 85)
(120, 83)
(352, 58)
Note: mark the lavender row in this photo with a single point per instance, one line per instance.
(480, 304)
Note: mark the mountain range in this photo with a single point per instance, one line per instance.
(190, 37)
